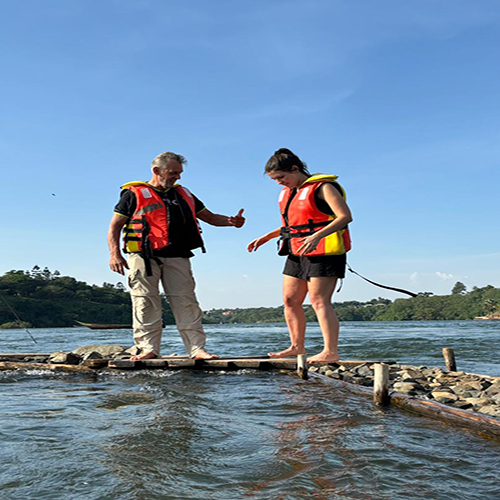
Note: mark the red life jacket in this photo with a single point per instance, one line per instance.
(147, 229)
(301, 217)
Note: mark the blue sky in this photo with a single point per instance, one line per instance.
(400, 99)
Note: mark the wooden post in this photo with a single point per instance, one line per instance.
(381, 384)
(449, 359)
(302, 366)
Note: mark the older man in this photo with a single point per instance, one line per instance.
(160, 228)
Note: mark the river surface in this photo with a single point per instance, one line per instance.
(238, 435)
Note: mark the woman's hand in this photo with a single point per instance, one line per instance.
(253, 245)
(308, 244)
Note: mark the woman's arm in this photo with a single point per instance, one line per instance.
(253, 245)
(342, 213)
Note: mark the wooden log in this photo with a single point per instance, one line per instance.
(449, 359)
(430, 409)
(381, 384)
(470, 419)
(302, 366)
(22, 355)
(24, 365)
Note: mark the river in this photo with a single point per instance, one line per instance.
(236, 435)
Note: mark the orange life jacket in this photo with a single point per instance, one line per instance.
(147, 229)
(301, 217)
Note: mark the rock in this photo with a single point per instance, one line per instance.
(463, 405)
(444, 397)
(434, 384)
(92, 355)
(34, 359)
(496, 399)
(363, 371)
(463, 389)
(313, 369)
(407, 387)
(106, 350)
(328, 373)
(64, 358)
(492, 390)
(411, 374)
(347, 377)
(478, 402)
(365, 381)
(491, 410)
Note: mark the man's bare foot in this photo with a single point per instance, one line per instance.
(287, 353)
(324, 357)
(202, 354)
(144, 355)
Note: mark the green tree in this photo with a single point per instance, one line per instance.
(459, 288)
(491, 306)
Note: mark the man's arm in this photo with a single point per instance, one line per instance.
(221, 220)
(117, 262)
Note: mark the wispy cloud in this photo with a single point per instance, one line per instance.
(444, 276)
(414, 277)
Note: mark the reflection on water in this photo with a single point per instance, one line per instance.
(263, 435)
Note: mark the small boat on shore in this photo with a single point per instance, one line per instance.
(493, 317)
(103, 326)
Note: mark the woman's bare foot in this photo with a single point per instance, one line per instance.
(144, 355)
(287, 353)
(202, 354)
(324, 357)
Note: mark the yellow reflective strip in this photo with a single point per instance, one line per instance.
(132, 246)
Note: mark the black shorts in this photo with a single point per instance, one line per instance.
(315, 267)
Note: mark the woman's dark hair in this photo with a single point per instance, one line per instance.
(284, 159)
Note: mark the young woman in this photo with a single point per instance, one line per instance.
(315, 238)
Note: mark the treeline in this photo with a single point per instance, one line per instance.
(42, 298)
(459, 305)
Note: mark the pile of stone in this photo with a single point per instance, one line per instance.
(92, 351)
(459, 389)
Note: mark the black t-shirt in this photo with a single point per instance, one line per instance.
(183, 233)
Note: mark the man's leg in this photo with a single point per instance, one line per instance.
(179, 285)
(146, 307)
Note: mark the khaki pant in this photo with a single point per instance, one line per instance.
(177, 279)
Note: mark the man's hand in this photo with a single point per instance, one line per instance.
(118, 264)
(237, 220)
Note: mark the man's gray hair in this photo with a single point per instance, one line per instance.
(161, 160)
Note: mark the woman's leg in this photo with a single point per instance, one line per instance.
(294, 293)
(320, 295)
